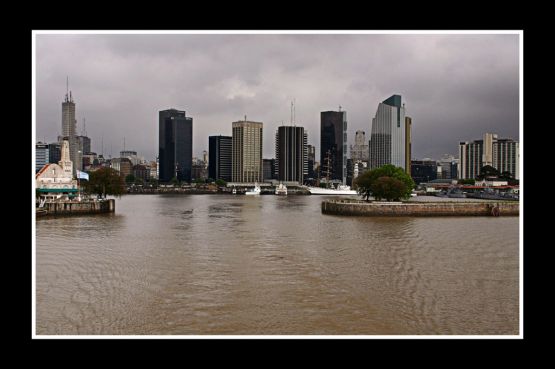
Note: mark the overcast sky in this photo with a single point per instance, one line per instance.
(455, 87)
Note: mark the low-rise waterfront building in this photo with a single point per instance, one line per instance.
(56, 180)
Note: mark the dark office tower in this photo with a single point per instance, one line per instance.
(408, 144)
(291, 154)
(333, 145)
(311, 156)
(268, 169)
(175, 150)
(54, 152)
(219, 157)
(84, 144)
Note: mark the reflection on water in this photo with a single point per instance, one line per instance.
(219, 264)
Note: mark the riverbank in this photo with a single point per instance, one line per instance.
(396, 209)
(227, 191)
(76, 207)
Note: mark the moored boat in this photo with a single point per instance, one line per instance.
(255, 191)
(281, 190)
(340, 190)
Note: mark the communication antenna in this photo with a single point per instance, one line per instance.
(294, 112)
(245, 117)
(339, 107)
(84, 128)
(67, 88)
(291, 113)
(124, 143)
(102, 140)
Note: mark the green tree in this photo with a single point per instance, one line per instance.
(130, 178)
(366, 180)
(221, 183)
(139, 181)
(507, 176)
(174, 181)
(388, 188)
(487, 171)
(468, 181)
(105, 181)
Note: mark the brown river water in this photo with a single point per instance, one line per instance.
(269, 265)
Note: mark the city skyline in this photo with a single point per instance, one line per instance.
(455, 86)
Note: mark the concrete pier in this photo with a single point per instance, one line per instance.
(80, 207)
(354, 207)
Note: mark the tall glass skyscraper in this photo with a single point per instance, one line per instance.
(388, 139)
(219, 157)
(291, 154)
(175, 149)
(333, 145)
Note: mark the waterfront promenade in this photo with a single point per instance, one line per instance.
(407, 208)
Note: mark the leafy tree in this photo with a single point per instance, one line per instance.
(174, 181)
(487, 171)
(139, 181)
(209, 180)
(221, 182)
(389, 188)
(199, 181)
(363, 184)
(130, 178)
(468, 181)
(507, 176)
(366, 180)
(105, 181)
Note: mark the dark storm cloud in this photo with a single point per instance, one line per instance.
(456, 87)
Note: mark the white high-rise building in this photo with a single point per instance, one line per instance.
(246, 150)
(388, 138)
(502, 154)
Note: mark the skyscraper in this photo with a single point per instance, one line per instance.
(175, 150)
(291, 154)
(359, 151)
(388, 141)
(69, 124)
(311, 156)
(41, 155)
(54, 152)
(268, 169)
(247, 152)
(84, 143)
(506, 157)
(502, 154)
(333, 145)
(408, 145)
(219, 157)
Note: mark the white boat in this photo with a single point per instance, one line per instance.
(281, 189)
(256, 190)
(234, 191)
(340, 190)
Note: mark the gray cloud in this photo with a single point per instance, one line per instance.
(456, 87)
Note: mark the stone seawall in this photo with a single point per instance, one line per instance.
(80, 207)
(345, 207)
